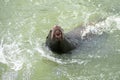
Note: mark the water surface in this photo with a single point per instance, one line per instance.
(24, 25)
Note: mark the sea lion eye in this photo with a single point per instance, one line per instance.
(49, 34)
(47, 37)
(50, 31)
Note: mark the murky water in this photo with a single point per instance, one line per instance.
(24, 25)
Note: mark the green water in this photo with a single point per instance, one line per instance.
(24, 25)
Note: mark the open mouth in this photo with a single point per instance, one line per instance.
(57, 33)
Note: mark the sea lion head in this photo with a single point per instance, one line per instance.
(56, 33)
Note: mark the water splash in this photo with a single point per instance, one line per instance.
(110, 24)
(48, 56)
(10, 55)
(51, 57)
(10, 52)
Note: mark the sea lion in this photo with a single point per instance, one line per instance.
(60, 42)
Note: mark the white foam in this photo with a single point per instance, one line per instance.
(58, 60)
(10, 54)
(43, 54)
(2, 57)
(111, 24)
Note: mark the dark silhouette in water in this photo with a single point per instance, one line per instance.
(60, 42)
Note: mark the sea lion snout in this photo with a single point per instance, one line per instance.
(57, 33)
